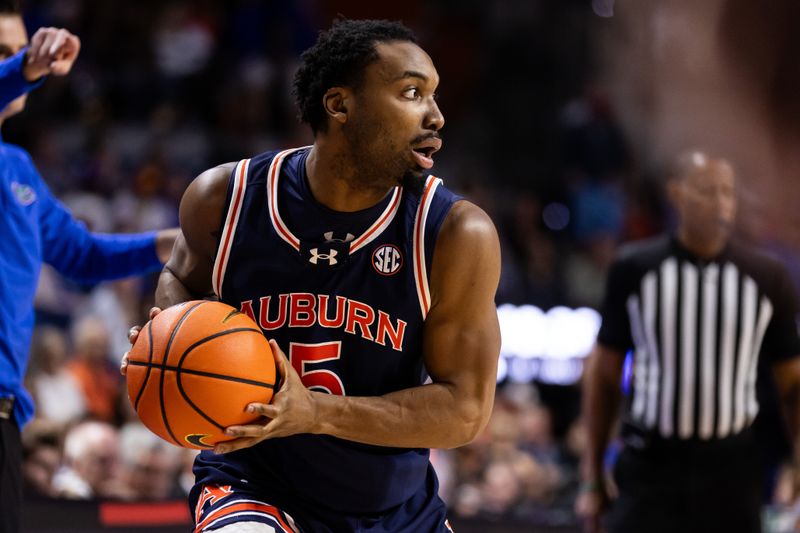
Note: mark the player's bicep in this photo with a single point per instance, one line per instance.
(462, 334)
(463, 354)
(191, 268)
(201, 211)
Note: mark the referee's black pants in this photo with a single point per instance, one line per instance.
(10, 476)
(688, 487)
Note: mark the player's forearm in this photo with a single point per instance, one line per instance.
(429, 416)
(600, 402)
(171, 290)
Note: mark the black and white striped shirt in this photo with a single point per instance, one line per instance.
(699, 331)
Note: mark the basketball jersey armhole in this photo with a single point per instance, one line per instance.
(233, 209)
(420, 262)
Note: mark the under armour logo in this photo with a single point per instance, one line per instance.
(329, 257)
(329, 237)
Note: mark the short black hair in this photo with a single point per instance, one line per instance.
(339, 58)
(10, 7)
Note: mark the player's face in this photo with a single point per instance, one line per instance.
(706, 200)
(13, 38)
(393, 128)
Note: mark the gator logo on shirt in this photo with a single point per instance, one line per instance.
(24, 194)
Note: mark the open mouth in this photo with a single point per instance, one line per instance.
(423, 152)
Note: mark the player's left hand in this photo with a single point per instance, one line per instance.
(292, 410)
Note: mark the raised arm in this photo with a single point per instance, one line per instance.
(187, 274)
(461, 347)
(51, 51)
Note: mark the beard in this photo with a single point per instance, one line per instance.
(380, 162)
(413, 182)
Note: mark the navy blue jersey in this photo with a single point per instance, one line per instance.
(345, 295)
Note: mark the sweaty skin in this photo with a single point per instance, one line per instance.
(389, 127)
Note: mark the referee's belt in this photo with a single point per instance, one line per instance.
(6, 408)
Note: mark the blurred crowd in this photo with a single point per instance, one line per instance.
(87, 443)
(164, 90)
(520, 468)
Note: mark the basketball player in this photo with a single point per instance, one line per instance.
(368, 276)
(36, 228)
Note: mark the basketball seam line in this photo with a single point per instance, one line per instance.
(206, 374)
(230, 315)
(149, 366)
(179, 369)
(165, 358)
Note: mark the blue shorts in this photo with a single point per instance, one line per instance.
(216, 506)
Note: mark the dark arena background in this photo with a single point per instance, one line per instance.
(561, 117)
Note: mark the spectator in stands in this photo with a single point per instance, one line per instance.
(56, 391)
(150, 465)
(41, 453)
(91, 463)
(92, 370)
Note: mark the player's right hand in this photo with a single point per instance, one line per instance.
(590, 506)
(133, 334)
(51, 51)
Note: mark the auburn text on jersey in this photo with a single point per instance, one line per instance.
(305, 310)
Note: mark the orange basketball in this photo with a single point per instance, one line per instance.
(194, 369)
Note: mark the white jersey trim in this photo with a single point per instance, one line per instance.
(420, 268)
(229, 228)
(377, 227)
(272, 199)
(381, 223)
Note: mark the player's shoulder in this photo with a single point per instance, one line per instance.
(204, 200)
(213, 181)
(468, 227)
(257, 166)
(212, 184)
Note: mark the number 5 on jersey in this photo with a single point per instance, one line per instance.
(303, 358)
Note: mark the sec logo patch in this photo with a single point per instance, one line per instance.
(387, 260)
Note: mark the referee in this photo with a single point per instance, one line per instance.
(703, 315)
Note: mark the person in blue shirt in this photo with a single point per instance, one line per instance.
(36, 228)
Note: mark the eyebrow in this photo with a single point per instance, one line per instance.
(411, 74)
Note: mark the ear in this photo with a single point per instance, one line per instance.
(335, 101)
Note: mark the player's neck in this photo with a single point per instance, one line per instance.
(333, 183)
